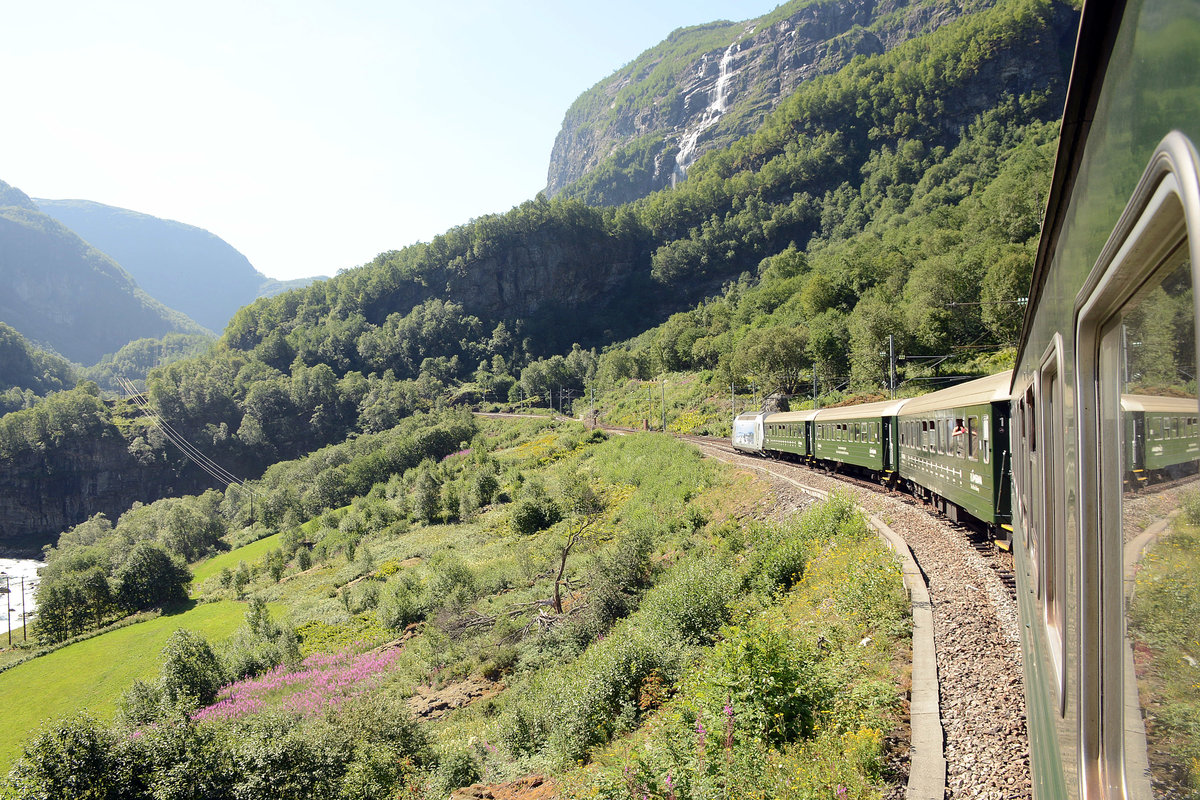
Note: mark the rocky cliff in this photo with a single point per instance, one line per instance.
(641, 128)
(44, 493)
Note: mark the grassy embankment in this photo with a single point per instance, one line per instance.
(695, 646)
(94, 673)
(1163, 617)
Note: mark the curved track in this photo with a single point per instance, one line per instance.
(976, 632)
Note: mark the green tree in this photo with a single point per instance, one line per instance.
(191, 673)
(150, 577)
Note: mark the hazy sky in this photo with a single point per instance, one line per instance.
(309, 135)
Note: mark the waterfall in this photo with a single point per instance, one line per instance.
(718, 105)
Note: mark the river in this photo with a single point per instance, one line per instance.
(19, 577)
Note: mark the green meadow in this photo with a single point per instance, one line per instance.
(93, 674)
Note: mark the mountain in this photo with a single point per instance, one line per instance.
(641, 128)
(899, 196)
(185, 267)
(27, 372)
(63, 293)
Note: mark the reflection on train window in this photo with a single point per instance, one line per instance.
(973, 438)
(987, 454)
(1147, 385)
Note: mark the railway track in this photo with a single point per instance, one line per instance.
(976, 630)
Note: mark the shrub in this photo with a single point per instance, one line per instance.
(74, 757)
(534, 512)
(1191, 507)
(401, 604)
(618, 580)
(567, 712)
(190, 669)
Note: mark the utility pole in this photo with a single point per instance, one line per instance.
(814, 387)
(892, 365)
(649, 405)
(663, 388)
(8, 607)
(732, 400)
(24, 620)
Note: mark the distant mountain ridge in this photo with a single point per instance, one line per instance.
(184, 266)
(63, 294)
(702, 88)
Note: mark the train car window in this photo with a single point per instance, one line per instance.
(1053, 512)
(1137, 349)
(986, 443)
(973, 438)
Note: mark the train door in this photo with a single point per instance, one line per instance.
(886, 444)
(1140, 658)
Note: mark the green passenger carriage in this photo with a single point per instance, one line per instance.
(861, 436)
(1162, 437)
(789, 432)
(954, 449)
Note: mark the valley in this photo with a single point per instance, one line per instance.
(367, 537)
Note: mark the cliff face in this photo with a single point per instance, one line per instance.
(648, 136)
(43, 494)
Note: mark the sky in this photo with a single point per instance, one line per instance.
(309, 135)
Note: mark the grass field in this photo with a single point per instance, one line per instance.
(93, 674)
(250, 553)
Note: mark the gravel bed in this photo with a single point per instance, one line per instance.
(976, 635)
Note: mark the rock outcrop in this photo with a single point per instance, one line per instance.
(46, 493)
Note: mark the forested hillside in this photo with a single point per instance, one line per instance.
(185, 267)
(703, 88)
(62, 292)
(860, 209)
(27, 372)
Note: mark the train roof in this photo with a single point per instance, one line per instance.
(750, 415)
(1099, 24)
(794, 416)
(992, 389)
(885, 408)
(1153, 403)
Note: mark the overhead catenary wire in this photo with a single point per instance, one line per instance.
(190, 451)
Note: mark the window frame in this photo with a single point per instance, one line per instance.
(1162, 216)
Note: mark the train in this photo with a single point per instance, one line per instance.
(952, 449)
(949, 448)
(1083, 458)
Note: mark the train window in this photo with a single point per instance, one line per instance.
(1053, 512)
(986, 442)
(973, 438)
(1141, 559)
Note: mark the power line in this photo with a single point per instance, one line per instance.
(190, 451)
